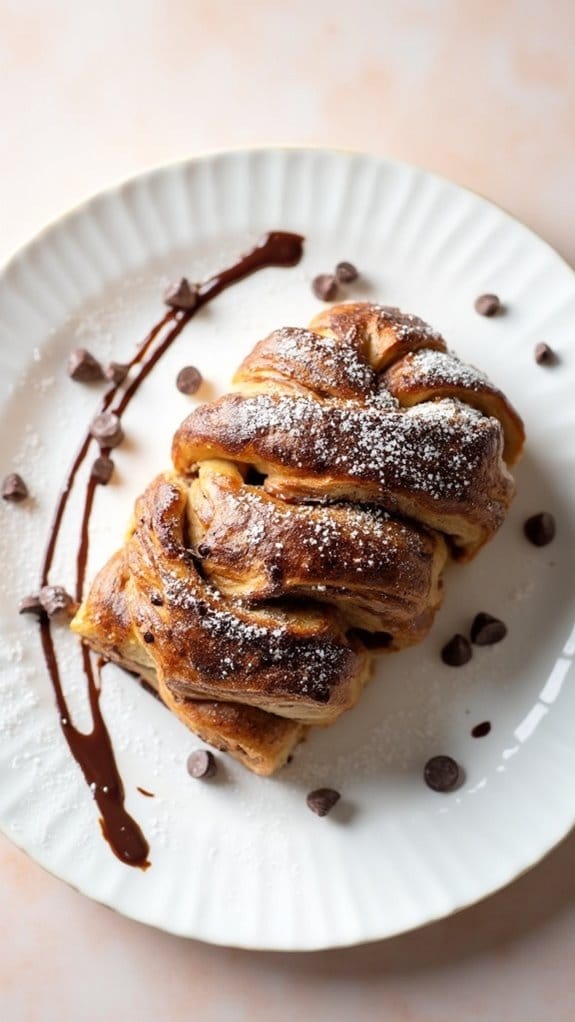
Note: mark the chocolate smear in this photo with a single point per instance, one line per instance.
(93, 750)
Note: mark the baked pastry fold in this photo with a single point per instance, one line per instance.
(308, 520)
(438, 464)
(299, 663)
(427, 375)
(383, 574)
(260, 741)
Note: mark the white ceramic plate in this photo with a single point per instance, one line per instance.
(242, 861)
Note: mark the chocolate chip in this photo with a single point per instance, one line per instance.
(106, 428)
(31, 605)
(540, 529)
(83, 367)
(322, 800)
(148, 637)
(487, 630)
(189, 380)
(544, 355)
(346, 273)
(182, 296)
(457, 651)
(275, 572)
(14, 488)
(487, 305)
(102, 470)
(204, 550)
(481, 730)
(324, 287)
(441, 773)
(116, 372)
(202, 608)
(156, 600)
(202, 764)
(55, 600)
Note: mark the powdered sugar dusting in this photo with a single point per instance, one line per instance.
(342, 543)
(439, 368)
(323, 361)
(247, 641)
(406, 326)
(435, 448)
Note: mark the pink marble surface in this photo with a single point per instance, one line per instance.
(483, 92)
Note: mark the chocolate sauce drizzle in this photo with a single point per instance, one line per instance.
(93, 750)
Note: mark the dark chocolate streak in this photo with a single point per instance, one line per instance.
(93, 750)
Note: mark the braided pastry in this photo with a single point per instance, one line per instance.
(308, 520)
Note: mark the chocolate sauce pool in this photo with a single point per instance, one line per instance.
(93, 750)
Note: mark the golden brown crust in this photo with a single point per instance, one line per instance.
(438, 463)
(298, 664)
(333, 414)
(381, 333)
(427, 374)
(259, 740)
(383, 574)
(104, 620)
(228, 593)
(323, 364)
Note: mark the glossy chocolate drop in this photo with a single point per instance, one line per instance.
(481, 730)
